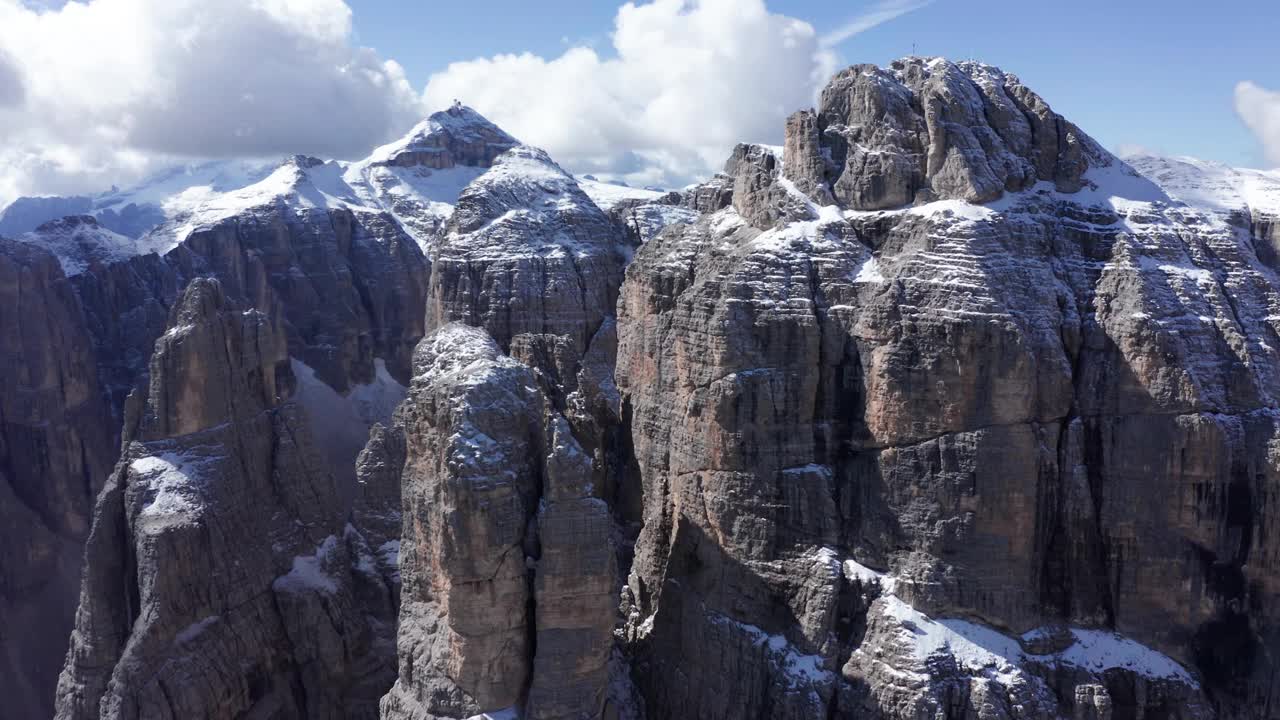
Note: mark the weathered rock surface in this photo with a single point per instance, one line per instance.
(1056, 410)
(928, 129)
(55, 450)
(418, 178)
(510, 432)
(509, 576)
(532, 260)
(218, 579)
(349, 283)
(940, 411)
(527, 254)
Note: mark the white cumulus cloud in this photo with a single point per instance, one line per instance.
(101, 91)
(1259, 108)
(687, 79)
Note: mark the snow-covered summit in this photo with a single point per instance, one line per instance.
(1211, 185)
(418, 178)
(457, 136)
(135, 210)
(526, 203)
(300, 183)
(79, 242)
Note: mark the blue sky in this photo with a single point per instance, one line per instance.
(1160, 75)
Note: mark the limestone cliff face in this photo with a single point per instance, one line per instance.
(532, 260)
(943, 412)
(510, 437)
(347, 289)
(55, 450)
(527, 256)
(509, 575)
(868, 437)
(932, 129)
(219, 577)
(349, 286)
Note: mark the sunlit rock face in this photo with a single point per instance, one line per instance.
(507, 557)
(947, 375)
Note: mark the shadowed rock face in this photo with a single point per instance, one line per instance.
(349, 286)
(219, 579)
(55, 449)
(1057, 411)
(347, 290)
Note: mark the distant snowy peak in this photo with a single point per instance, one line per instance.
(457, 136)
(27, 213)
(418, 178)
(301, 183)
(1212, 186)
(608, 195)
(135, 210)
(79, 243)
(526, 204)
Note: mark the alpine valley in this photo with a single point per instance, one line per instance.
(940, 411)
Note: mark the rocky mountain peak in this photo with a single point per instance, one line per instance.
(928, 129)
(525, 185)
(304, 162)
(192, 386)
(79, 242)
(457, 136)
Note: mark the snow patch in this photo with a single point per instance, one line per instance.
(607, 195)
(869, 271)
(1099, 650)
(854, 570)
(984, 650)
(172, 483)
(511, 713)
(954, 208)
(1212, 186)
(194, 630)
(800, 669)
(308, 573)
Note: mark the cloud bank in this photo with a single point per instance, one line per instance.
(1259, 108)
(100, 92)
(688, 80)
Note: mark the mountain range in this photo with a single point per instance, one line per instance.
(938, 410)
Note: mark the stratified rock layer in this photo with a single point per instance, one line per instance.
(1056, 411)
(55, 450)
(509, 576)
(218, 579)
(532, 260)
